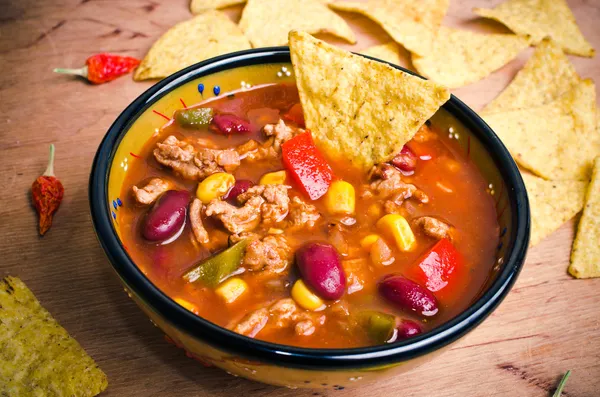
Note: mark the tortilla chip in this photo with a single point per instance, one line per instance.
(267, 23)
(585, 256)
(205, 36)
(461, 57)
(557, 140)
(389, 52)
(413, 24)
(547, 75)
(199, 6)
(539, 19)
(552, 203)
(37, 355)
(368, 111)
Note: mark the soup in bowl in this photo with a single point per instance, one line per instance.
(260, 253)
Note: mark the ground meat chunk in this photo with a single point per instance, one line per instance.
(250, 236)
(149, 193)
(302, 214)
(211, 161)
(198, 229)
(282, 314)
(177, 155)
(194, 164)
(253, 323)
(278, 134)
(271, 254)
(237, 220)
(387, 183)
(285, 313)
(268, 204)
(305, 328)
(434, 227)
(275, 204)
(281, 133)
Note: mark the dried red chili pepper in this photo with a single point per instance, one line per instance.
(47, 193)
(102, 68)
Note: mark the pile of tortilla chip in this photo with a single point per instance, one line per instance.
(449, 56)
(267, 23)
(200, 6)
(412, 24)
(585, 256)
(389, 52)
(37, 355)
(540, 19)
(368, 125)
(205, 36)
(461, 57)
(548, 119)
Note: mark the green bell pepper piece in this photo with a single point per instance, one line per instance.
(211, 271)
(194, 118)
(379, 326)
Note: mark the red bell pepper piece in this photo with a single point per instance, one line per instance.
(295, 115)
(438, 269)
(307, 166)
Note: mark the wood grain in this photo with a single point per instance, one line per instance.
(549, 323)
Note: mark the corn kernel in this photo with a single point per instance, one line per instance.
(304, 297)
(340, 198)
(274, 230)
(214, 186)
(231, 289)
(273, 178)
(397, 227)
(187, 305)
(367, 241)
(374, 210)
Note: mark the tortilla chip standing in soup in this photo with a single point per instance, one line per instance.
(368, 111)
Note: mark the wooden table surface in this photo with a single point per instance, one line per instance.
(549, 323)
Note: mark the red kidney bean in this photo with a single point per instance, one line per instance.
(408, 295)
(167, 216)
(406, 160)
(408, 328)
(230, 124)
(321, 269)
(240, 186)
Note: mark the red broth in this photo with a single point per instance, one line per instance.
(457, 194)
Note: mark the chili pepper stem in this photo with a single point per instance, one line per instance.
(50, 169)
(83, 72)
(561, 385)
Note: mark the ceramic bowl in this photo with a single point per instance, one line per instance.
(267, 362)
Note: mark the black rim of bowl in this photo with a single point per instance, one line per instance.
(240, 345)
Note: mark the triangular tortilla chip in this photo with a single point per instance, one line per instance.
(552, 203)
(202, 37)
(557, 140)
(359, 109)
(539, 19)
(547, 75)
(413, 24)
(199, 6)
(37, 355)
(461, 57)
(389, 52)
(585, 256)
(267, 23)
